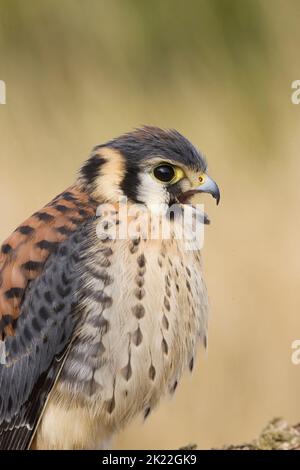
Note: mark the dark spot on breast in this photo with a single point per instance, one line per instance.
(191, 364)
(103, 324)
(165, 322)
(110, 405)
(139, 293)
(152, 372)
(137, 337)
(164, 346)
(167, 304)
(174, 386)
(127, 371)
(177, 287)
(105, 263)
(139, 280)
(147, 412)
(188, 272)
(188, 285)
(141, 261)
(106, 252)
(138, 311)
(132, 248)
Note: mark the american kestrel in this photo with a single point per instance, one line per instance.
(95, 329)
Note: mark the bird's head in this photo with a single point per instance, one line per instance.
(148, 166)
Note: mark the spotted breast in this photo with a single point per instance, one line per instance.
(143, 311)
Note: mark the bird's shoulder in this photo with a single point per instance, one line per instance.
(24, 253)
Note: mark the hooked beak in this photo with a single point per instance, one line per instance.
(208, 186)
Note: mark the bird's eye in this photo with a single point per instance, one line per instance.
(167, 173)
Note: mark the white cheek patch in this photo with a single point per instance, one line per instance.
(151, 192)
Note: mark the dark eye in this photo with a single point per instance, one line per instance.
(164, 173)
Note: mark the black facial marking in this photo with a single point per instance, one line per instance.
(131, 181)
(91, 168)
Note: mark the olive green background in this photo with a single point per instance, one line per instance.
(220, 71)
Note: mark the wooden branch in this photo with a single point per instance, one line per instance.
(277, 435)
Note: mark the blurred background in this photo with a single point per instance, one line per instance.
(79, 72)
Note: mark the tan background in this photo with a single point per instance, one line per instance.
(220, 71)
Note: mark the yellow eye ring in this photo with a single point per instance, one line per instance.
(168, 174)
(201, 179)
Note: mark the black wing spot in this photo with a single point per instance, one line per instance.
(46, 245)
(44, 216)
(43, 313)
(35, 324)
(14, 293)
(6, 248)
(63, 251)
(64, 230)
(32, 266)
(25, 230)
(48, 297)
(68, 196)
(61, 208)
(27, 333)
(63, 292)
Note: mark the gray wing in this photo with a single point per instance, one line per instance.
(33, 357)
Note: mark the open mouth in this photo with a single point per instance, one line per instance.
(185, 198)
